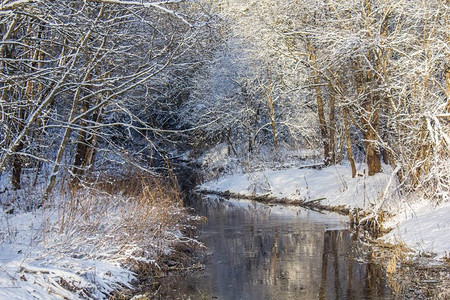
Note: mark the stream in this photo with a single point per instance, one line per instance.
(257, 251)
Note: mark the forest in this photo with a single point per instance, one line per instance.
(106, 105)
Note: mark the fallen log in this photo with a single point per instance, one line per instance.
(269, 199)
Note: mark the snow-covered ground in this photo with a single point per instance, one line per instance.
(83, 250)
(333, 185)
(420, 226)
(33, 266)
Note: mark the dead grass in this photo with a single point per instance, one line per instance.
(412, 277)
(138, 222)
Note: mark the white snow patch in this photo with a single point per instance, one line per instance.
(424, 228)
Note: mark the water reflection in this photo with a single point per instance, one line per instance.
(262, 252)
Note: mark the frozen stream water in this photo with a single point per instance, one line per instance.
(258, 251)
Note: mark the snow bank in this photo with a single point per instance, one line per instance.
(334, 185)
(84, 249)
(421, 226)
(33, 268)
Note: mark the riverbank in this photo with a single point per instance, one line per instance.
(422, 227)
(95, 242)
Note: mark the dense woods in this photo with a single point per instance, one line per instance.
(89, 86)
(364, 81)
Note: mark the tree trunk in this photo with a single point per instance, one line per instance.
(370, 136)
(85, 151)
(17, 159)
(17, 169)
(81, 149)
(271, 109)
(349, 142)
(370, 124)
(331, 122)
(92, 142)
(372, 153)
(320, 108)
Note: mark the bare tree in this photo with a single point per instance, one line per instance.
(375, 70)
(82, 72)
